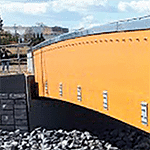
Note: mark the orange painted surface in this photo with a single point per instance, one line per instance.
(116, 62)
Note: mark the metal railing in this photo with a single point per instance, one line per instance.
(139, 23)
(17, 45)
(16, 66)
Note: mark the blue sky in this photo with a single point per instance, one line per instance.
(73, 14)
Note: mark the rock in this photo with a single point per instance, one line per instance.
(133, 134)
(48, 133)
(85, 147)
(125, 147)
(4, 133)
(128, 145)
(70, 143)
(144, 146)
(114, 133)
(120, 144)
(60, 131)
(14, 143)
(121, 134)
(137, 140)
(108, 146)
(64, 143)
(17, 132)
(118, 139)
(43, 139)
(113, 148)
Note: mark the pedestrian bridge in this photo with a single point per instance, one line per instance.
(104, 68)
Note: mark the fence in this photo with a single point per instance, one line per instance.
(17, 64)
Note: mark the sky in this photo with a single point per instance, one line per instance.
(72, 14)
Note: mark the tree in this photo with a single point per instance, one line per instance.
(41, 38)
(34, 35)
(38, 36)
(1, 24)
(20, 40)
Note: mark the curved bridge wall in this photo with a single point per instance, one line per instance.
(108, 73)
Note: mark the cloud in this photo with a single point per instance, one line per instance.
(42, 6)
(136, 6)
(27, 8)
(35, 8)
(87, 22)
(75, 5)
(76, 12)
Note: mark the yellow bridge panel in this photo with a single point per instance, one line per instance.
(118, 63)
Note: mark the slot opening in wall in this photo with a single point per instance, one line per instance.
(79, 93)
(60, 89)
(105, 100)
(144, 113)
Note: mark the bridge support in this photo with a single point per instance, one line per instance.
(13, 103)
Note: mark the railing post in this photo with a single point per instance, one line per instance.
(117, 26)
(19, 66)
(18, 57)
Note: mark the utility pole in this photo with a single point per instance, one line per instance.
(1, 24)
(18, 57)
(15, 28)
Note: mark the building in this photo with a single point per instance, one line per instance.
(48, 32)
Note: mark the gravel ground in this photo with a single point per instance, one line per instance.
(42, 139)
(128, 138)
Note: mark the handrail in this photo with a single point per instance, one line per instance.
(16, 45)
(16, 68)
(139, 23)
(24, 58)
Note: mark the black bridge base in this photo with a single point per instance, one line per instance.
(56, 114)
